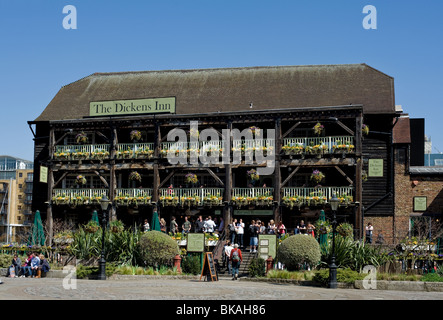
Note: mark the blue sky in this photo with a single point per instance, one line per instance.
(38, 56)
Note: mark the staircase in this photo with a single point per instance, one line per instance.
(244, 266)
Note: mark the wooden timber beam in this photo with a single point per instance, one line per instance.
(289, 177)
(215, 176)
(344, 175)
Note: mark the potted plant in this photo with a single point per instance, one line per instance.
(256, 131)
(80, 180)
(135, 135)
(91, 227)
(322, 226)
(116, 226)
(191, 178)
(135, 176)
(318, 128)
(81, 138)
(253, 176)
(317, 176)
(365, 129)
(345, 229)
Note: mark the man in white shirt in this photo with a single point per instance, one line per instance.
(228, 249)
(240, 229)
(209, 225)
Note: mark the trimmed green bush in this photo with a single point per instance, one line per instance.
(157, 249)
(257, 267)
(191, 264)
(343, 275)
(297, 250)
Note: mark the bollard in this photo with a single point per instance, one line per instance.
(177, 262)
(269, 263)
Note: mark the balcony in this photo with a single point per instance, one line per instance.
(133, 196)
(135, 151)
(317, 196)
(191, 197)
(78, 196)
(189, 149)
(252, 196)
(319, 145)
(82, 152)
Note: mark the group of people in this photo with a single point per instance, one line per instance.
(198, 226)
(32, 267)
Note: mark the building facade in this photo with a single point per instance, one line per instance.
(16, 187)
(113, 134)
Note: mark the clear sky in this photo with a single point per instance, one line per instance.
(38, 55)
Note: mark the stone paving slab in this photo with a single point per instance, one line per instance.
(188, 289)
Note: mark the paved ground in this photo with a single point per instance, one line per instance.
(189, 289)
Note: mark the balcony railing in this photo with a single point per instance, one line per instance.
(298, 196)
(267, 146)
(191, 148)
(252, 196)
(78, 196)
(81, 152)
(135, 150)
(133, 196)
(318, 145)
(191, 196)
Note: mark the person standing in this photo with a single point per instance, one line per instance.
(281, 229)
(199, 225)
(236, 259)
(232, 230)
(240, 228)
(173, 226)
(186, 227)
(209, 226)
(369, 231)
(227, 256)
(253, 241)
(146, 226)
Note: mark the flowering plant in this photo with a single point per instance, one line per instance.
(253, 175)
(256, 131)
(80, 180)
(322, 226)
(135, 135)
(339, 146)
(365, 129)
(194, 133)
(317, 176)
(318, 128)
(293, 148)
(191, 178)
(345, 229)
(135, 176)
(81, 138)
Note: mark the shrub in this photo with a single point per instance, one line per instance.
(343, 275)
(432, 277)
(157, 249)
(257, 267)
(5, 260)
(297, 250)
(191, 264)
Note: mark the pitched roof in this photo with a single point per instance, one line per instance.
(232, 89)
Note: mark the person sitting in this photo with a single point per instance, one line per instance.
(44, 266)
(35, 264)
(14, 269)
(26, 267)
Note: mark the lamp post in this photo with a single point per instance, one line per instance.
(334, 201)
(104, 203)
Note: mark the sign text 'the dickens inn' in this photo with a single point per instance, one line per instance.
(128, 107)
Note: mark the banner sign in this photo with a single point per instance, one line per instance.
(131, 107)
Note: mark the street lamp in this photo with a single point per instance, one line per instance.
(334, 201)
(104, 203)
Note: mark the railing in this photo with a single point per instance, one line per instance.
(79, 152)
(297, 196)
(78, 196)
(135, 150)
(252, 196)
(191, 196)
(313, 145)
(191, 148)
(249, 146)
(133, 196)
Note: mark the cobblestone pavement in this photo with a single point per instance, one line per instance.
(189, 289)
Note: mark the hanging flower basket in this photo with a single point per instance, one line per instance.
(318, 128)
(317, 176)
(81, 138)
(253, 175)
(345, 229)
(365, 129)
(91, 227)
(80, 180)
(322, 227)
(116, 226)
(135, 135)
(293, 201)
(194, 133)
(135, 176)
(191, 178)
(256, 131)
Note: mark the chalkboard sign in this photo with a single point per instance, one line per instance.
(208, 269)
